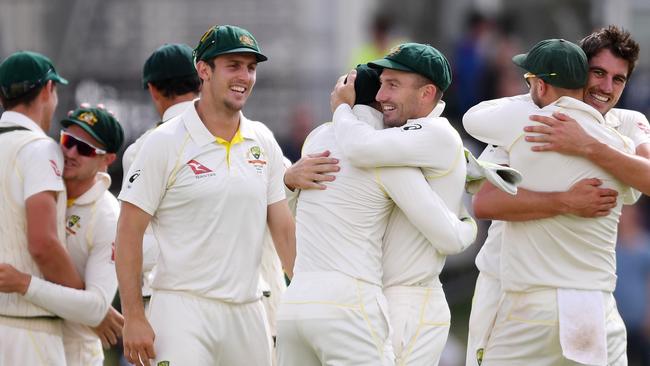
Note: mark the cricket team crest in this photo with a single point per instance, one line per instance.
(246, 40)
(72, 225)
(88, 117)
(257, 158)
(395, 50)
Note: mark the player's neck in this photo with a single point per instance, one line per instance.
(75, 188)
(221, 122)
(35, 114)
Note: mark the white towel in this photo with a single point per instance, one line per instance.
(582, 326)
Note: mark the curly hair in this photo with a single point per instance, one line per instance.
(615, 39)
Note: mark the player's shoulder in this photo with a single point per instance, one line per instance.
(260, 129)
(628, 115)
(169, 134)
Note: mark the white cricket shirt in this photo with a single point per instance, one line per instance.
(432, 144)
(341, 228)
(30, 163)
(564, 251)
(208, 198)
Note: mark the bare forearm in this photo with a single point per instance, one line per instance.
(283, 231)
(128, 264)
(57, 266)
(632, 170)
(494, 204)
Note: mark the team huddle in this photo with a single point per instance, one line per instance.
(212, 217)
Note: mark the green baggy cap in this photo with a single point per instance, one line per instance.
(24, 71)
(99, 123)
(419, 58)
(222, 39)
(170, 61)
(557, 62)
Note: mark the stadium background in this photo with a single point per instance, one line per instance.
(100, 46)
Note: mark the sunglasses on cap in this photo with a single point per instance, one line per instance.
(529, 75)
(83, 148)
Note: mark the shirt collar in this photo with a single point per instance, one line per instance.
(16, 118)
(369, 115)
(437, 110)
(573, 103)
(612, 120)
(176, 110)
(202, 136)
(435, 113)
(102, 183)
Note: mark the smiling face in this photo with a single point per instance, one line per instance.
(78, 167)
(400, 97)
(231, 80)
(607, 79)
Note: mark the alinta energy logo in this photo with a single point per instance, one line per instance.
(200, 170)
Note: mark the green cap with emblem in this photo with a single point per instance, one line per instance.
(556, 61)
(222, 39)
(99, 123)
(170, 61)
(419, 58)
(24, 71)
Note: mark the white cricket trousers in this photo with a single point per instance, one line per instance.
(526, 332)
(83, 352)
(485, 304)
(419, 317)
(31, 341)
(192, 330)
(328, 318)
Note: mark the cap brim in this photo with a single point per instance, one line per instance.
(57, 78)
(260, 57)
(385, 63)
(67, 122)
(520, 60)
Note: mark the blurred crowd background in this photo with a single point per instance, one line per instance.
(100, 47)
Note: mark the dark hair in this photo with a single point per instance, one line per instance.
(170, 88)
(423, 80)
(25, 99)
(615, 39)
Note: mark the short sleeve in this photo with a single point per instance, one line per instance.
(275, 190)
(146, 181)
(40, 167)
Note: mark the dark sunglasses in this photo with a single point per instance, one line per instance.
(83, 148)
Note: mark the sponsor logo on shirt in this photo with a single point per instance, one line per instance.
(256, 157)
(135, 176)
(200, 170)
(72, 225)
(163, 363)
(55, 167)
(411, 127)
(643, 127)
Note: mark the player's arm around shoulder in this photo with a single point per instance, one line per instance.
(410, 191)
(497, 122)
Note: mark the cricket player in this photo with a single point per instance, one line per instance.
(208, 180)
(334, 308)
(32, 208)
(557, 273)
(612, 55)
(413, 79)
(89, 142)
(172, 82)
